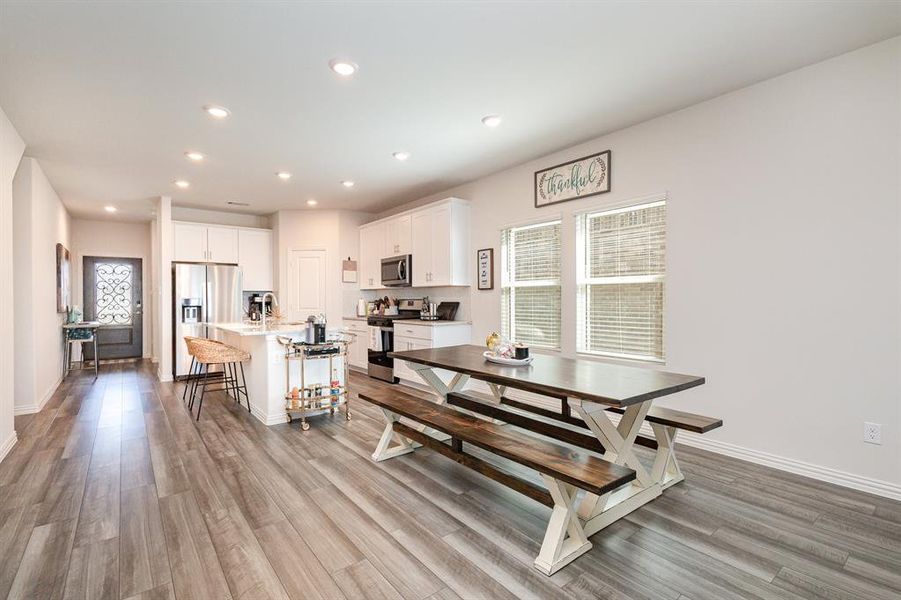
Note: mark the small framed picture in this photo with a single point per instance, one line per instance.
(485, 261)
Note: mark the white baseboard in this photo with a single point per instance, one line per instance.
(8, 444)
(163, 378)
(28, 409)
(869, 485)
(877, 487)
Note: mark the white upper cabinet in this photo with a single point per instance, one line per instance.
(437, 237)
(250, 249)
(190, 242)
(422, 248)
(222, 245)
(398, 235)
(440, 245)
(255, 258)
(372, 251)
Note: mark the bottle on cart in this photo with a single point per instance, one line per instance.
(336, 387)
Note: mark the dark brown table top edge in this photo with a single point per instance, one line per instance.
(550, 390)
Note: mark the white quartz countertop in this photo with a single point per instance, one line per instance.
(417, 322)
(244, 329)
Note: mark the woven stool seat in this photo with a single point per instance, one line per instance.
(226, 359)
(211, 352)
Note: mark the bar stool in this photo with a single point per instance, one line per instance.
(206, 353)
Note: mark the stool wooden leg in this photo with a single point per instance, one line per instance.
(96, 356)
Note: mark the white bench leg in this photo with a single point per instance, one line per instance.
(666, 469)
(564, 540)
(384, 450)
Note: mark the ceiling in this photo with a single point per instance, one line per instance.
(108, 95)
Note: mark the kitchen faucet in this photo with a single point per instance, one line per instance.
(263, 303)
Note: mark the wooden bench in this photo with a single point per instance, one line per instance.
(562, 468)
(564, 427)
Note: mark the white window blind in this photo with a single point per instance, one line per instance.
(621, 269)
(530, 284)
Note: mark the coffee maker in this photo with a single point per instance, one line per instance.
(256, 305)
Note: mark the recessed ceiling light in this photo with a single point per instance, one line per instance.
(345, 68)
(347, 184)
(283, 175)
(110, 209)
(217, 112)
(195, 156)
(401, 156)
(312, 202)
(181, 183)
(491, 120)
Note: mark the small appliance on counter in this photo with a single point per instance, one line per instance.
(362, 308)
(256, 306)
(315, 330)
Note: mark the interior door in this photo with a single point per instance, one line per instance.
(113, 295)
(306, 283)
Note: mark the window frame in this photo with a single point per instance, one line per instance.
(583, 282)
(556, 219)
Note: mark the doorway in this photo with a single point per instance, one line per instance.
(306, 283)
(113, 296)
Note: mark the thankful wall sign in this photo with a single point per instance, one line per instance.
(580, 178)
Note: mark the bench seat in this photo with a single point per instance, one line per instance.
(677, 419)
(550, 458)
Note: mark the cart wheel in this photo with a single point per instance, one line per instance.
(347, 416)
(331, 411)
(305, 426)
(290, 419)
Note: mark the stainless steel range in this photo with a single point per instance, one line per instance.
(380, 365)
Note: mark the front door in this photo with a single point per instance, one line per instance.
(112, 295)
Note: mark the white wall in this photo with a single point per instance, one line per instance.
(782, 259)
(161, 257)
(11, 149)
(118, 240)
(218, 217)
(336, 232)
(41, 222)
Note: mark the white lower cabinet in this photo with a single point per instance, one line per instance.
(421, 335)
(358, 352)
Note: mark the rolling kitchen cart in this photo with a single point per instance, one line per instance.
(316, 397)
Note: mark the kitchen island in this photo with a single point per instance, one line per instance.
(267, 369)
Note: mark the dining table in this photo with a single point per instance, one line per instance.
(611, 399)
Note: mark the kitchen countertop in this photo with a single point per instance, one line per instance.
(244, 329)
(416, 322)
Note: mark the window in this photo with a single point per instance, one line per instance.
(112, 295)
(621, 267)
(530, 284)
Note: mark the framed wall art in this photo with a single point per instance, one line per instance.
(485, 262)
(579, 178)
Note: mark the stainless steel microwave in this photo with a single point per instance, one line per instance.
(397, 271)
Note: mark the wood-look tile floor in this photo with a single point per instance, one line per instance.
(113, 491)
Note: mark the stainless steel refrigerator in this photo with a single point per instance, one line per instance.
(201, 294)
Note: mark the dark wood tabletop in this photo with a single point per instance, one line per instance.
(559, 377)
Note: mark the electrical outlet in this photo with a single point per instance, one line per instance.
(872, 433)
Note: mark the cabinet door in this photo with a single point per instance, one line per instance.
(368, 273)
(401, 368)
(190, 242)
(421, 234)
(442, 254)
(222, 245)
(255, 258)
(398, 236)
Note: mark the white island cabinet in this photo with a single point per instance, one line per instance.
(266, 370)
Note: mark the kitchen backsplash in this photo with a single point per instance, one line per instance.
(462, 295)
